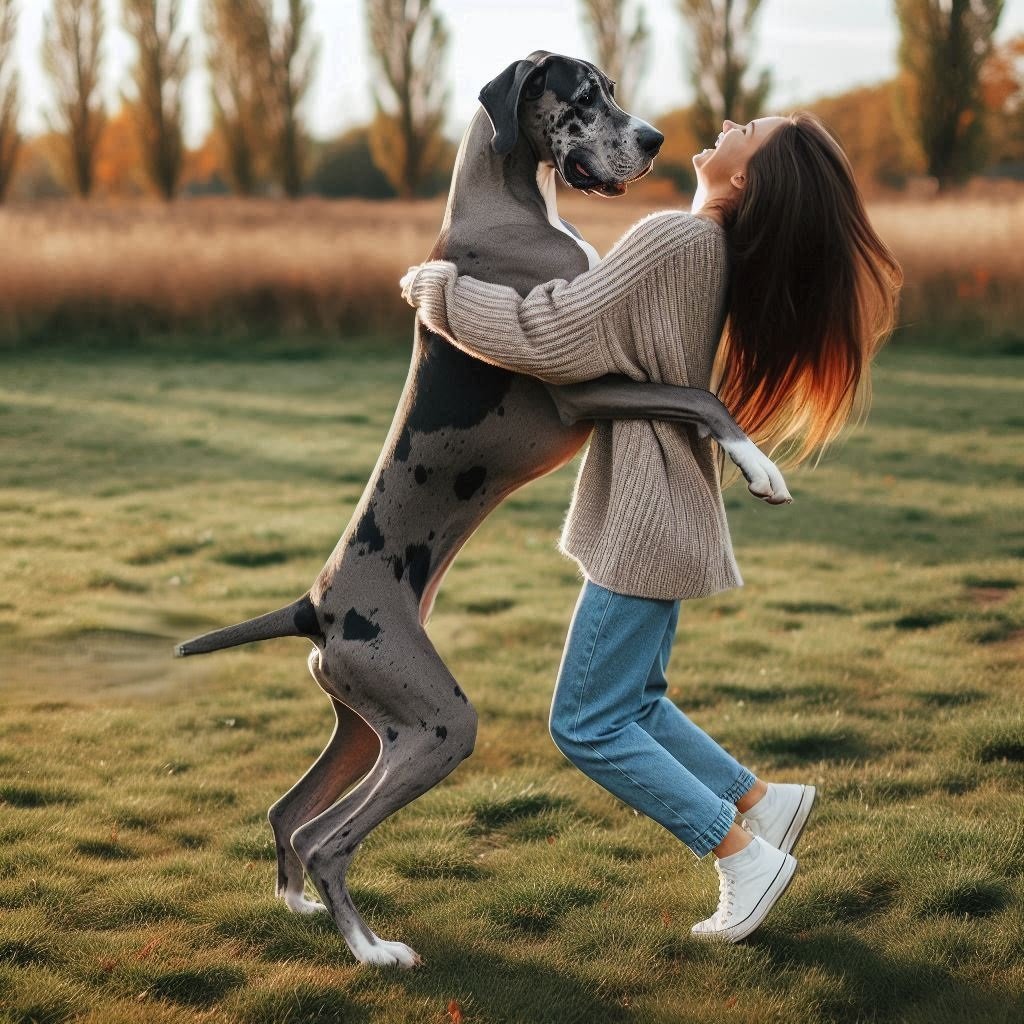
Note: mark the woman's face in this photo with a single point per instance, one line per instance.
(726, 164)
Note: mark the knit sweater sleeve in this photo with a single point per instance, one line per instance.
(559, 331)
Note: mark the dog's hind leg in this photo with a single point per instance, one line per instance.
(428, 727)
(349, 755)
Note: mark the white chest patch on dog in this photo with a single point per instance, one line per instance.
(546, 184)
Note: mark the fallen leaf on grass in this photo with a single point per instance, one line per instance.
(454, 1011)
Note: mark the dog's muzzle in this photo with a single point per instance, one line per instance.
(577, 173)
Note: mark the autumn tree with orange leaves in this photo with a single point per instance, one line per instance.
(72, 56)
(10, 139)
(1002, 89)
(158, 77)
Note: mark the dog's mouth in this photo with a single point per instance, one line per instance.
(577, 173)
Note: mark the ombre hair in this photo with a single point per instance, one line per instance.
(813, 295)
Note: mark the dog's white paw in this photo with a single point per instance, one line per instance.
(298, 904)
(389, 954)
(762, 475)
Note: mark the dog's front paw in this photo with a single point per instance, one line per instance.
(763, 478)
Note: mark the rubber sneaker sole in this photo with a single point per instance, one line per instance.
(778, 885)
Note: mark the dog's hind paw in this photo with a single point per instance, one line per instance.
(298, 904)
(390, 954)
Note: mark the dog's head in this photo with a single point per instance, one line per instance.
(566, 109)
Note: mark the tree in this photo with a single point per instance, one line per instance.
(944, 45)
(239, 64)
(10, 139)
(876, 139)
(72, 56)
(408, 43)
(723, 35)
(120, 160)
(158, 75)
(293, 60)
(346, 168)
(1002, 89)
(621, 51)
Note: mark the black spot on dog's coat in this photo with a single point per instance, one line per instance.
(368, 533)
(459, 693)
(305, 619)
(392, 735)
(417, 563)
(469, 482)
(421, 475)
(358, 627)
(452, 388)
(441, 732)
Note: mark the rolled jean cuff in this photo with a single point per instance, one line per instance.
(744, 781)
(716, 832)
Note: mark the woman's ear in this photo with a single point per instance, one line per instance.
(500, 99)
(739, 180)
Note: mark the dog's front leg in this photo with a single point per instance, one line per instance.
(615, 397)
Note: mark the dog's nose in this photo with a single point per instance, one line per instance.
(650, 140)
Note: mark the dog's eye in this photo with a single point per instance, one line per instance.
(587, 98)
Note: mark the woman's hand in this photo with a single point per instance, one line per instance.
(406, 283)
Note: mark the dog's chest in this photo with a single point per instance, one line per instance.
(546, 184)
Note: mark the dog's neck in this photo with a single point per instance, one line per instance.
(548, 188)
(492, 191)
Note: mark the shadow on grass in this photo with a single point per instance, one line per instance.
(492, 987)
(873, 986)
(305, 1003)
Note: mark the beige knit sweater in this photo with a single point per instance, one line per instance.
(646, 516)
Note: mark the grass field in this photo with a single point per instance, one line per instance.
(874, 651)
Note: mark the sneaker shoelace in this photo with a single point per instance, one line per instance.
(726, 894)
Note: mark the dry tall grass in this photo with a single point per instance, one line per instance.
(217, 264)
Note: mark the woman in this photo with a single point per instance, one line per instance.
(777, 248)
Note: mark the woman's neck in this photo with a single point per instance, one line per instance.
(710, 205)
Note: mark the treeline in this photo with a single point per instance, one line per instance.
(955, 109)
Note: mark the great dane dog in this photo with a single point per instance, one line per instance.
(465, 435)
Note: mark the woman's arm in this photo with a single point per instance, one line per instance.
(550, 333)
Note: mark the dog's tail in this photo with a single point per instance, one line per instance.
(296, 619)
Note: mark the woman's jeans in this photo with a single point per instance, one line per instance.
(611, 718)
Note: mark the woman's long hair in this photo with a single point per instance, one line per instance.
(812, 297)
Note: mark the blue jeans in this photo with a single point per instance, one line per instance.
(611, 718)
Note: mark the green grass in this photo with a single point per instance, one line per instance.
(874, 651)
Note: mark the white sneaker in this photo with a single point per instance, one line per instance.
(749, 884)
(780, 815)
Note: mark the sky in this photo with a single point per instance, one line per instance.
(813, 47)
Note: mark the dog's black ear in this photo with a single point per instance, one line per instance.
(500, 98)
